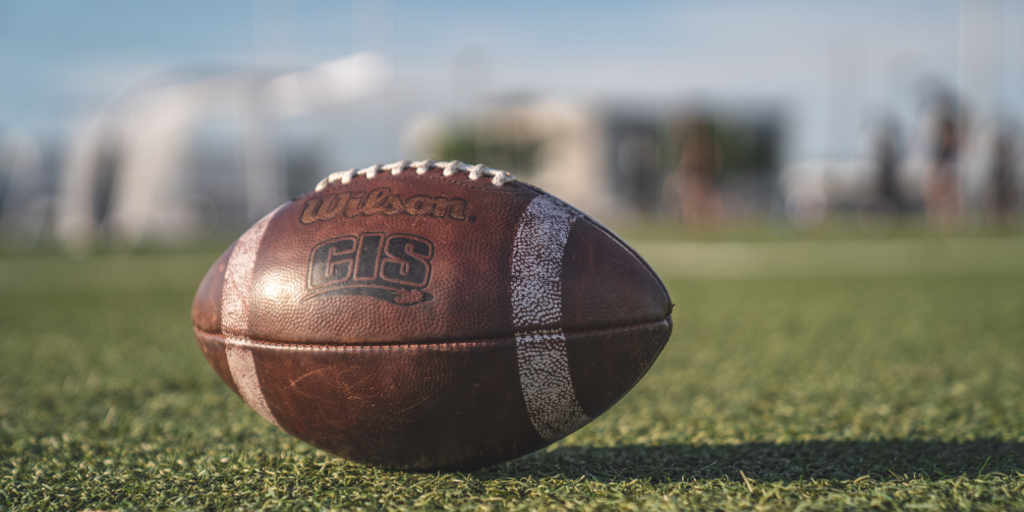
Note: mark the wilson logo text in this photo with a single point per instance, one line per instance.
(380, 201)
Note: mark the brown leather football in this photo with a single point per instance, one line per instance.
(426, 315)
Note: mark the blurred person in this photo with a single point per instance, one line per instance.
(942, 192)
(886, 161)
(885, 202)
(1003, 193)
(638, 160)
(695, 176)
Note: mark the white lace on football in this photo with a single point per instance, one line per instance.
(498, 178)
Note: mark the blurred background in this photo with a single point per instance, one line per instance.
(125, 123)
(832, 193)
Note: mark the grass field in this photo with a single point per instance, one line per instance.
(807, 375)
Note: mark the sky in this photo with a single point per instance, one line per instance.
(833, 66)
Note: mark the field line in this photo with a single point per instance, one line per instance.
(123, 272)
(843, 259)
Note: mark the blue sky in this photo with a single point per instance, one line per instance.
(833, 65)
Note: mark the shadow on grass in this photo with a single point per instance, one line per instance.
(787, 462)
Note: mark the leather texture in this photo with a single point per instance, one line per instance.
(446, 406)
(377, 322)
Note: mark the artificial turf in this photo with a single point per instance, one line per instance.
(786, 392)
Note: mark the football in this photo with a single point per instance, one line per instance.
(430, 316)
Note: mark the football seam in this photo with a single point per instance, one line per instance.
(511, 338)
(435, 178)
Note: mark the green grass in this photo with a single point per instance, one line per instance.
(790, 392)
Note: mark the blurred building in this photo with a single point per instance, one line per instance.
(29, 171)
(186, 154)
(952, 165)
(618, 161)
